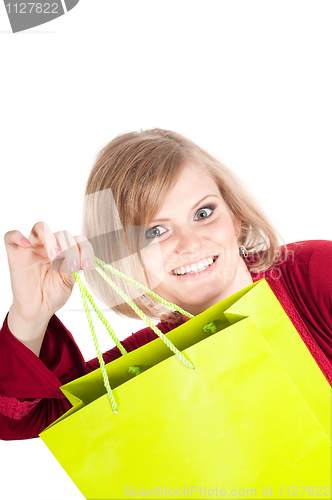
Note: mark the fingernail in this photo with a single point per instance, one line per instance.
(54, 253)
(86, 263)
(74, 267)
(25, 242)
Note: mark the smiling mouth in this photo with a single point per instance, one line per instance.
(182, 272)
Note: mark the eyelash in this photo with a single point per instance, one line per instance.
(210, 207)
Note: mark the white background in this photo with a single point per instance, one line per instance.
(250, 81)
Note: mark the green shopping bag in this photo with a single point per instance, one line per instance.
(252, 420)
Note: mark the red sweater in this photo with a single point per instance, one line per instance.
(30, 395)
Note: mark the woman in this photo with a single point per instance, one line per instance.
(165, 212)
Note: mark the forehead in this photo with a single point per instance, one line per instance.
(193, 184)
(193, 181)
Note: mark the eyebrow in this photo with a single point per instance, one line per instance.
(196, 204)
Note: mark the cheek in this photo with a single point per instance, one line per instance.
(224, 239)
(153, 264)
(223, 233)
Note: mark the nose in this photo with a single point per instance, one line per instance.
(187, 241)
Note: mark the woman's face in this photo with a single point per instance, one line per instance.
(194, 255)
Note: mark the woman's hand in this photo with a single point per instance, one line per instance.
(40, 274)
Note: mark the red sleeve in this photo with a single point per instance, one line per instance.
(30, 395)
(320, 277)
(307, 275)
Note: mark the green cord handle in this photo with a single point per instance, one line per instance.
(87, 295)
(100, 357)
(100, 314)
(142, 287)
(145, 318)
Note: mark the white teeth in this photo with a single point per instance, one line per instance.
(195, 268)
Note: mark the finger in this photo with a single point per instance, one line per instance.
(43, 239)
(87, 254)
(16, 238)
(68, 260)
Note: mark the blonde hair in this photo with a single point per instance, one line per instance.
(138, 170)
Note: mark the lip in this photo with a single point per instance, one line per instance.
(191, 262)
(199, 275)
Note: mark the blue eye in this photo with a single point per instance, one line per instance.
(203, 211)
(154, 232)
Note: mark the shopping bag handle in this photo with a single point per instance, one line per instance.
(87, 295)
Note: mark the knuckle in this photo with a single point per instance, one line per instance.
(9, 236)
(90, 247)
(87, 248)
(66, 234)
(79, 238)
(39, 224)
(65, 239)
(38, 228)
